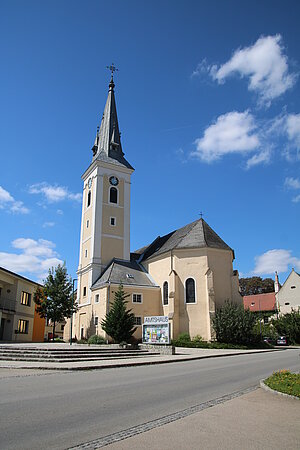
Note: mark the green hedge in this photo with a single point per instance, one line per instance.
(184, 340)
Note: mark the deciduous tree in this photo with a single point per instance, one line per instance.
(256, 285)
(54, 299)
(234, 325)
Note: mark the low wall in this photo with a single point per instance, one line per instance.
(158, 348)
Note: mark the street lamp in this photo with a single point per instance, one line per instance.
(71, 318)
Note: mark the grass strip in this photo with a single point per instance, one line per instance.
(285, 381)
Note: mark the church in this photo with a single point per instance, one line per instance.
(184, 275)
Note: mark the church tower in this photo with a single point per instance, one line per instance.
(105, 223)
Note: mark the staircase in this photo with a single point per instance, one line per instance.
(68, 354)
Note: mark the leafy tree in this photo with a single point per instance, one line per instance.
(289, 325)
(54, 299)
(234, 325)
(119, 321)
(256, 285)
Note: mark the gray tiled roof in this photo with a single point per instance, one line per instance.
(128, 273)
(197, 234)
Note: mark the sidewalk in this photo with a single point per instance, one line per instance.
(258, 420)
(182, 354)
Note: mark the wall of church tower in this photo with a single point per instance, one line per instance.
(105, 225)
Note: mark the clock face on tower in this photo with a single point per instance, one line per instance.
(114, 181)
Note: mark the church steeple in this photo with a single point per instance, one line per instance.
(107, 146)
(105, 225)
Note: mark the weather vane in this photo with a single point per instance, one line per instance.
(112, 68)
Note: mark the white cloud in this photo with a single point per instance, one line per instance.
(233, 132)
(277, 259)
(242, 133)
(296, 199)
(292, 183)
(48, 224)
(54, 193)
(260, 158)
(60, 212)
(202, 68)
(264, 64)
(35, 258)
(8, 202)
(293, 129)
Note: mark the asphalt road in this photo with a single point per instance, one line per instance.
(60, 410)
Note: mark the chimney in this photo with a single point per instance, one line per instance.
(276, 283)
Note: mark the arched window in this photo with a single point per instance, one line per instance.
(89, 198)
(113, 195)
(190, 294)
(165, 293)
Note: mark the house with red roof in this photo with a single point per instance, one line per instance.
(261, 303)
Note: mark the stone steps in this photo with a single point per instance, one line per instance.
(62, 360)
(69, 355)
(70, 352)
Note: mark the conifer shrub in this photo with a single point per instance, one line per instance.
(119, 321)
(96, 339)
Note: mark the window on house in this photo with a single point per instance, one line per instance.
(62, 328)
(97, 298)
(86, 253)
(190, 294)
(113, 195)
(23, 326)
(287, 303)
(266, 320)
(89, 198)
(87, 223)
(137, 320)
(96, 321)
(165, 293)
(137, 298)
(113, 221)
(293, 287)
(25, 298)
(84, 291)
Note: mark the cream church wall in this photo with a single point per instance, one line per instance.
(149, 307)
(220, 262)
(190, 263)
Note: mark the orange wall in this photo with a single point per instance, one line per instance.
(38, 328)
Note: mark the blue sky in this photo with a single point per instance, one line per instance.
(209, 108)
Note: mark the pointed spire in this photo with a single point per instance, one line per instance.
(107, 146)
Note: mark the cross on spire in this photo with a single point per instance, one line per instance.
(112, 68)
(201, 214)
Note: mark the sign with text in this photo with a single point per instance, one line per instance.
(156, 319)
(156, 330)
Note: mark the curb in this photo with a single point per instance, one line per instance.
(268, 389)
(133, 363)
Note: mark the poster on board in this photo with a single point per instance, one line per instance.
(156, 330)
